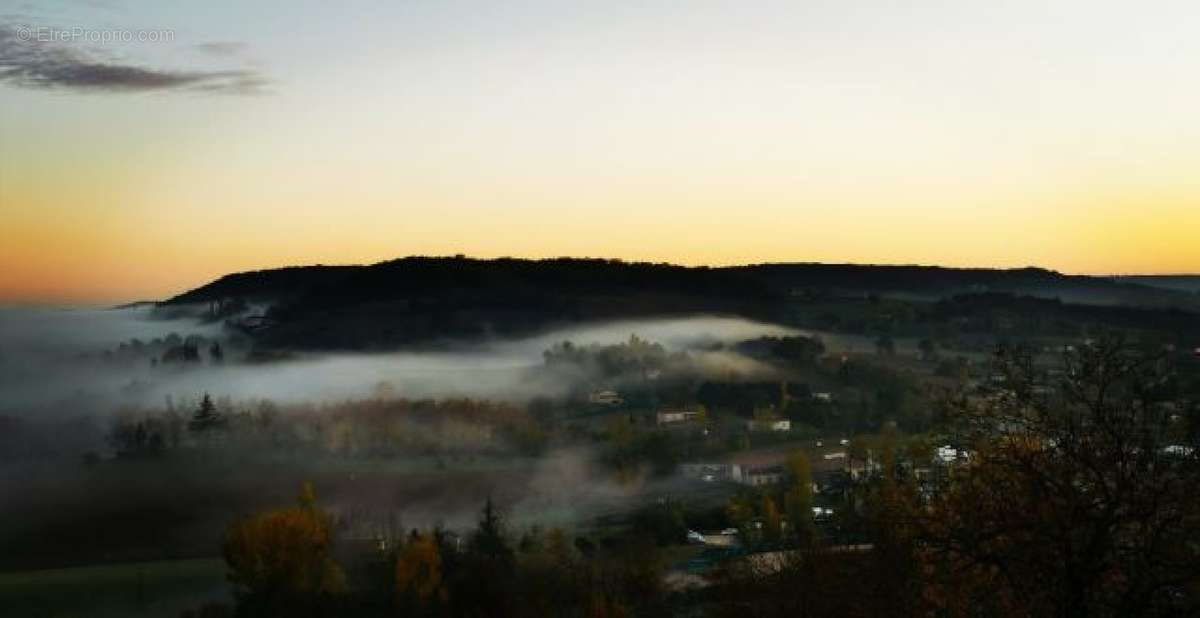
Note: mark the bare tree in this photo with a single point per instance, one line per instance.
(1080, 495)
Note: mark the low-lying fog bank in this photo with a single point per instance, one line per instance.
(73, 361)
(166, 430)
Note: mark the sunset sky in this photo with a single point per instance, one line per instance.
(1059, 134)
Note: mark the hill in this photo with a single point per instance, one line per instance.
(271, 285)
(934, 282)
(1185, 283)
(421, 299)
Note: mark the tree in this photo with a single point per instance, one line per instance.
(488, 540)
(281, 562)
(552, 580)
(483, 584)
(797, 499)
(132, 440)
(798, 468)
(206, 418)
(663, 521)
(740, 511)
(859, 448)
(772, 521)
(1076, 500)
(418, 575)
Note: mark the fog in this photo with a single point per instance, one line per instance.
(70, 374)
(65, 331)
(67, 361)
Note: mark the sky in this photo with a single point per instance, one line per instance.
(148, 147)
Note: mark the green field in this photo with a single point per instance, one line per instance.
(136, 589)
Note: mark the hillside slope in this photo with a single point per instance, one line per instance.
(422, 299)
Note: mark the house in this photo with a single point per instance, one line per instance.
(605, 397)
(754, 468)
(767, 467)
(1178, 450)
(723, 538)
(763, 475)
(707, 472)
(858, 469)
(746, 474)
(947, 455)
(678, 416)
(829, 471)
(769, 425)
(758, 468)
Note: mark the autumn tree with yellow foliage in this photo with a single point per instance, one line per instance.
(419, 577)
(281, 562)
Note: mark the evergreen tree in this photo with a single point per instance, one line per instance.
(488, 540)
(483, 584)
(206, 417)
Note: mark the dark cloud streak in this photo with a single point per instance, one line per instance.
(46, 66)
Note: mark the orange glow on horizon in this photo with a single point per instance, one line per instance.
(791, 133)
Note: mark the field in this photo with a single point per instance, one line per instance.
(149, 589)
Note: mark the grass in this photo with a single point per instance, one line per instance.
(134, 589)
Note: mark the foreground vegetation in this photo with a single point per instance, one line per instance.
(1046, 480)
(1069, 497)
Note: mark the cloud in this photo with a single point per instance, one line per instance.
(223, 49)
(29, 63)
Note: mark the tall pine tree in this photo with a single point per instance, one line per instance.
(206, 418)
